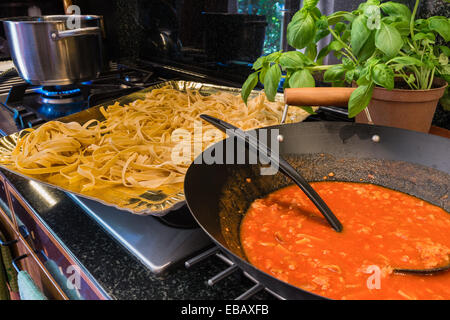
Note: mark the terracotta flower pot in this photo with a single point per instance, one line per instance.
(407, 109)
(401, 108)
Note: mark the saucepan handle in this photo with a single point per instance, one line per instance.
(320, 96)
(75, 33)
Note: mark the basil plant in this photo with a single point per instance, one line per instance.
(376, 44)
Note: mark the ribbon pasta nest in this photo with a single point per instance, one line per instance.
(132, 146)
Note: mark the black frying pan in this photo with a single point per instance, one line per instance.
(218, 195)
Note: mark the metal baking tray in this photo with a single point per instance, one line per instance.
(150, 202)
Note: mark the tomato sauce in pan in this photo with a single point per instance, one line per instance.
(285, 236)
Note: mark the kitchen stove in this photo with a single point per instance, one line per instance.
(158, 243)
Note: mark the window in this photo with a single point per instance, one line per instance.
(273, 10)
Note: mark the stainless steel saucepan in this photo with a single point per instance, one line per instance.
(49, 50)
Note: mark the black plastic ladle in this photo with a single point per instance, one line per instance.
(430, 271)
(282, 164)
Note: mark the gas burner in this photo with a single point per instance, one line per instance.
(137, 77)
(32, 105)
(133, 77)
(60, 91)
(60, 95)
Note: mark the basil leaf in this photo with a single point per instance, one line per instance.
(445, 50)
(291, 59)
(383, 76)
(372, 61)
(402, 27)
(322, 54)
(335, 73)
(340, 27)
(315, 12)
(347, 63)
(422, 36)
(446, 70)
(339, 16)
(301, 30)
(322, 23)
(309, 4)
(388, 40)
(273, 57)
(349, 76)
(364, 76)
(259, 63)
(294, 60)
(359, 34)
(301, 79)
(286, 79)
(322, 33)
(338, 54)
(369, 47)
(411, 78)
(249, 85)
(299, 15)
(345, 36)
(441, 25)
(360, 99)
(421, 24)
(262, 73)
(407, 61)
(368, 3)
(335, 45)
(271, 81)
(308, 109)
(397, 10)
(311, 51)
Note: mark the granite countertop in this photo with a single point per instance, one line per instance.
(116, 271)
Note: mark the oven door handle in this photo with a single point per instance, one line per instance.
(8, 243)
(15, 260)
(23, 230)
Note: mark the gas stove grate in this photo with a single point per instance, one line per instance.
(10, 78)
(33, 105)
(232, 267)
(7, 82)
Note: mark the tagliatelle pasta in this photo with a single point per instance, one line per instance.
(133, 146)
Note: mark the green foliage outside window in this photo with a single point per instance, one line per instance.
(272, 9)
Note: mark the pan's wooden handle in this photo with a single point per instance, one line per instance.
(321, 96)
